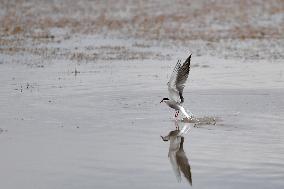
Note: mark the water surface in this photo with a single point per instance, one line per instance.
(102, 127)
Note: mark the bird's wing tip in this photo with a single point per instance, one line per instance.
(189, 56)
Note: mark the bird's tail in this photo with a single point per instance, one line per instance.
(185, 113)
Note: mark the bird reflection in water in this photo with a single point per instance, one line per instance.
(177, 156)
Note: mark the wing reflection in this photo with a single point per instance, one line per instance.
(177, 156)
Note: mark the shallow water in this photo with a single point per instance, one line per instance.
(102, 127)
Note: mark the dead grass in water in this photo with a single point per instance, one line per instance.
(176, 21)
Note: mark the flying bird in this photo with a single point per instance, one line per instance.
(176, 85)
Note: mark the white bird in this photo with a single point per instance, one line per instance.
(176, 85)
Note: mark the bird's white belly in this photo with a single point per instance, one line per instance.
(173, 105)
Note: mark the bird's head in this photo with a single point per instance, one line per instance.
(164, 99)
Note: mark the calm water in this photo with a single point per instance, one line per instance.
(101, 129)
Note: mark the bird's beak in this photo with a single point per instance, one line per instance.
(161, 101)
(163, 138)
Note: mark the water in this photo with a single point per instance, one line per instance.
(101, 128)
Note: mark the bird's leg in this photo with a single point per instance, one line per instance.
(176, 124)
(177, 112)
(176, 115)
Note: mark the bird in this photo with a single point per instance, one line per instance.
(176, 85)
(177, 156)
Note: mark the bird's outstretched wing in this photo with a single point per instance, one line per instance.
(173, 93)
(177, 81)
